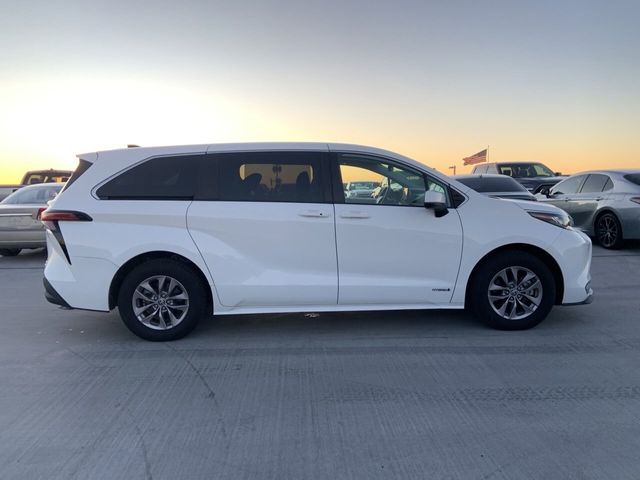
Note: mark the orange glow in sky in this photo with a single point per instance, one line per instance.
(546, 84)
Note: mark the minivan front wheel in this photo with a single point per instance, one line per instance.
(161, 300)
(512, 291)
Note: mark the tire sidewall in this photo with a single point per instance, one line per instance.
(480, 304)
(185, 275)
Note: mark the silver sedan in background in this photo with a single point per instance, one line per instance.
(19, 224)
(604, 204)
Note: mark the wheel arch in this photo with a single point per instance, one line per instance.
(600, 213)
(133, 262)
(523, 247)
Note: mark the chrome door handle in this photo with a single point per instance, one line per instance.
(313, 213)
(355, 215)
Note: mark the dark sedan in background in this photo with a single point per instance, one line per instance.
(499, 186)
(19, 224)
(604, 204)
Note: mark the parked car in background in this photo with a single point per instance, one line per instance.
(604, 204)
(36, 176)
(360, 189)
(171, 234)
(534, 176)
(499, 186)
(20, 226)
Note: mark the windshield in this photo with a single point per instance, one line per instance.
(525, 170)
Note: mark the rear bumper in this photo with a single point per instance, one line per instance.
(52, 296)
(84, 284)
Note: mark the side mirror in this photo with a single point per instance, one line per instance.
(544, 191)
(558, 174)
(437, 202)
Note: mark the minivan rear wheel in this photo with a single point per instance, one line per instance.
(512, 291)
(161, 300)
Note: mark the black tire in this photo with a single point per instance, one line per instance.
(480, 305)
(10, 252)
(608, 231)
(187, 278)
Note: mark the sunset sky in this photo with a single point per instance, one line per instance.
(553, 81)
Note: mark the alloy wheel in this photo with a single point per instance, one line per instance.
(515, 292)
(608, 231)
(160, 302)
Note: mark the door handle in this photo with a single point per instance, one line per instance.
(313, 213)
(355, 214)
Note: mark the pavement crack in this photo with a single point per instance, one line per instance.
(211, 394)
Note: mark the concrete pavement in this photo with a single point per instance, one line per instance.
(340, 396)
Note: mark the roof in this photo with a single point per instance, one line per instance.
(612, 171)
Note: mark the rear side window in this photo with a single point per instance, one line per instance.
(595, 183)
(484, 184)
(272, 177)
(633, 178)
(161, 178)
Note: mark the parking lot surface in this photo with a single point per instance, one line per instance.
(338, 396)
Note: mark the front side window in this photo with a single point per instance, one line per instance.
(396, 184)
(271, 177)
(161, 178)
(568, 186)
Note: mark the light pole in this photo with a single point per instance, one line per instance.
(453, 167)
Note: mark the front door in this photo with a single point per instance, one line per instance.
(392, 250)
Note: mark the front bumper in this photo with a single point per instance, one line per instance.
(575, 262)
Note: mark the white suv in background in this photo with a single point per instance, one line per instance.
(169, 235)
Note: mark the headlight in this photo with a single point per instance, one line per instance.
(561, 219)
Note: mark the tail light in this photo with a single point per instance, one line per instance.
(52, 218)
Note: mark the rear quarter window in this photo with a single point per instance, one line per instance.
(161, 178)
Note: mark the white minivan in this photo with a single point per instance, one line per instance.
(169, 235)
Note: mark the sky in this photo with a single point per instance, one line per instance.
(551, 81)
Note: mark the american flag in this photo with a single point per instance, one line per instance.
(476, 158)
